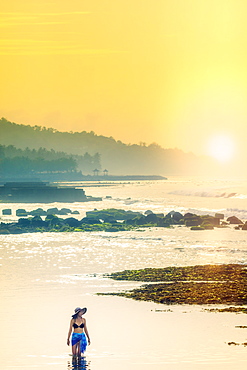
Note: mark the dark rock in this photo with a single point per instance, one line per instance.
(151, 218)
(24, 222)
(244, 227)
(72, 222)
(210, 220)
(75, 212)
(219, 215)
(177, 216)
(234, 220)
(52, 211)
(90, 221)
(148, 212)
(53, 220)
(4, 231)
(109, 219)
(21, 212)
(38, 212)
(67, 210)
(37, 221)
(7, 212)
(139, 220)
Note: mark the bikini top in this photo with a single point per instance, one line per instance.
(78, 326)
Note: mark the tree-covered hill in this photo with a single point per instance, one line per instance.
(118, 158)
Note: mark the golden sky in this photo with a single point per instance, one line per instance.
(167, 71)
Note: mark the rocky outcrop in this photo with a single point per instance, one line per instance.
(234, 220)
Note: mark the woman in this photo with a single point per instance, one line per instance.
(79, 341)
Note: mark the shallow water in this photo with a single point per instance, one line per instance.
(43, 277)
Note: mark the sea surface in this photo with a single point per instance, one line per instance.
(44, 276)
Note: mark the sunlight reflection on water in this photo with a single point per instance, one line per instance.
(44, 276)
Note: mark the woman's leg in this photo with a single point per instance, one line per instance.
(74, 349)
(78, 348)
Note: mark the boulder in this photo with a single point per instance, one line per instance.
(191, 219)
(210, 220)
(75, 212)
(38, 212)
(7, 211)
(53, 220)
(177, 216)
(21, 212)
(37, 221)
(219, 215)
(234, 220)
(67, 210)
(244, 227)
(90, 221)
(52, 211)
(148, 212)
(151, 218)
(24, 222)
(72, 222)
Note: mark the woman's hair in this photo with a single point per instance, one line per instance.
(75, 316)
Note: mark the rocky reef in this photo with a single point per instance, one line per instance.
(205, 284)
(112, 220)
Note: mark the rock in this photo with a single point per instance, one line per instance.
(67, 210)
(21, 212)
(210, 220)
(244, 227)
(7, 211)
(219, 215)
(148, 212)
(177, 216)
(90, 221)
(139, 220)
(151, 218)
(53, 220)
(75, 212)
(4, 231)
(37, 221)
(52, 211)
(72, 222)
(24, 222)
(234, 220)
(191, 219)
(38, 212)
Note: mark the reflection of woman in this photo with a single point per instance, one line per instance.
(78, 340)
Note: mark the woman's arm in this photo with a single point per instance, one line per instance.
(86, 332)
(70, 331)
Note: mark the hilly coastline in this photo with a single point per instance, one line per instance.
(40, 150)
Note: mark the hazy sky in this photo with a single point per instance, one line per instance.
(167, 71)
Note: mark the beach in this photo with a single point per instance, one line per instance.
(44, 276)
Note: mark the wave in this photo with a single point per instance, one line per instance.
(208, 194)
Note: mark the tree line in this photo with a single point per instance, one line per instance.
(15, 161)
(93, 151)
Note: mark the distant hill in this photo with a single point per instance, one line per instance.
(114, 156)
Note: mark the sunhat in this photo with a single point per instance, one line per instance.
(78, 309)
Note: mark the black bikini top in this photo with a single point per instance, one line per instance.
(78, 326)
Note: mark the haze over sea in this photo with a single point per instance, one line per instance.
(44, 276)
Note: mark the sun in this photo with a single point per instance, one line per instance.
(221, 147)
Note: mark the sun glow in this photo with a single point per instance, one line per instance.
(221, 147)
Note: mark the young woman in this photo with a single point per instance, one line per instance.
(78, 340)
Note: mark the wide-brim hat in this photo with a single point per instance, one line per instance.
(78, 309)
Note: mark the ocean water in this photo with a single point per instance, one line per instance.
(44, 276)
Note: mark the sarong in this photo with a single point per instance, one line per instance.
(79, 337)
